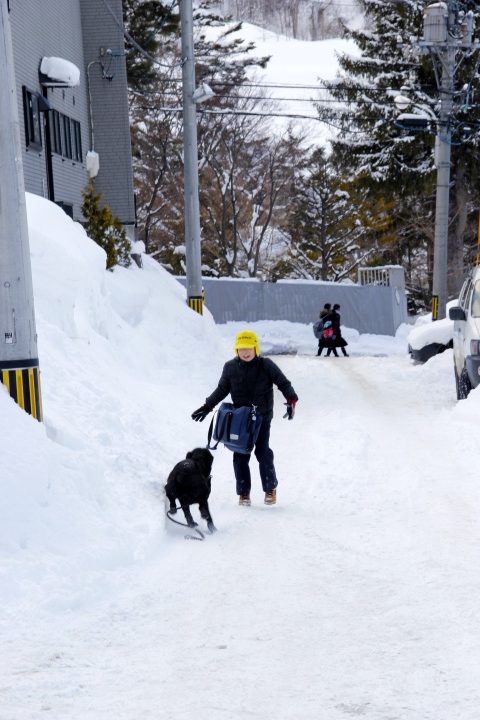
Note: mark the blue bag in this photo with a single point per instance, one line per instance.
(317, 329)
(236, 428)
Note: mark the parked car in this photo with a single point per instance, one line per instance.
(466, 335)
(430, 338)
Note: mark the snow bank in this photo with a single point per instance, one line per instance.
(121, 357)
(282, 337)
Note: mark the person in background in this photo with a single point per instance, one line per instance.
(322, 343)
(337, 340)
(249, 379)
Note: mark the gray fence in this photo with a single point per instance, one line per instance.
(367, 308)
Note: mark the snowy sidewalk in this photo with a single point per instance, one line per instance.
(357, 595)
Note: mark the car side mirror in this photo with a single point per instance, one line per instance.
(456, 313)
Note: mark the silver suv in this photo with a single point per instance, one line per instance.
(466, 335)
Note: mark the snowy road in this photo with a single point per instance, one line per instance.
(356, 596)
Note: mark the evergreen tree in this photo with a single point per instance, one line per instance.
(331, 228)
(391, 162)
(371, 144)
(103, 227)
(147, 23)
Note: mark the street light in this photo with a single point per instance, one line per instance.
(202, 93)
(418, 121)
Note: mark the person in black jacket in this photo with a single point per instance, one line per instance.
(249, 379)
(322, 343)
(337, 339)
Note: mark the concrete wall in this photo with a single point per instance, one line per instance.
(367, 308)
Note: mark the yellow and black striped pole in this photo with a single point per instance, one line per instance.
(196, 303)
(434, 307)
(22, 380)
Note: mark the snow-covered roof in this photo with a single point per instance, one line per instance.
(59, 72)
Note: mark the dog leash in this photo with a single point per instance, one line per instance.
(187, 537)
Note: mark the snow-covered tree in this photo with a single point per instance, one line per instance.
(300, 19)
(233, 142)
(391, 162)
(330, 229)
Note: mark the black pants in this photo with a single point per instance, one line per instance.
(264, 455)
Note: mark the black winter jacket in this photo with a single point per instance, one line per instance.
(339, 340)
(240, 378)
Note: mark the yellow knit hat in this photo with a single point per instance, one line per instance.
(247, 339)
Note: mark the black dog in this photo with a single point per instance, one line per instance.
(190, 482)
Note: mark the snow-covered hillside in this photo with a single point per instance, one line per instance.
(295, 71)
(356, 595)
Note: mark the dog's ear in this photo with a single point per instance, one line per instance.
(189, 455)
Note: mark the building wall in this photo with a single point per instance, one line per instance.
(51, 28)
(76, 30)
(111, 129)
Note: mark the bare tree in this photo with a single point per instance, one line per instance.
(300, 19)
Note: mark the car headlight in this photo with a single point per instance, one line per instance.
(475, 347)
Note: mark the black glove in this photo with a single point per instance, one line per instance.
(201, 413)
(290, 408)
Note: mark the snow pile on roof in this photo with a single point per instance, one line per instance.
(60, 71)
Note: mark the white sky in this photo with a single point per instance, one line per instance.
(356, 595)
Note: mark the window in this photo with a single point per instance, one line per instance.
(476, 300)
(76, 140)
(55, 138)
(67, 145)
(65, 136)
(468, 295)
(463, 292)
(33, 134)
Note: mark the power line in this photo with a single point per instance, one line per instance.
(260, 98)
(205, 111)
(292, 86)
(134, 42)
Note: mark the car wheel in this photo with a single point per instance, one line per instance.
(464, 385)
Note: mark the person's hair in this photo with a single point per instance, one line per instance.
(327, 306)
(336, 306)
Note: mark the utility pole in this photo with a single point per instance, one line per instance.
(190, 162)
(442, 161)
(445, 31)
(19, 366)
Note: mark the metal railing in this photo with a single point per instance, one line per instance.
(387, 276)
